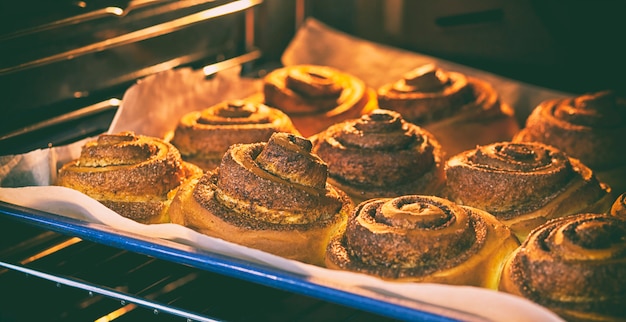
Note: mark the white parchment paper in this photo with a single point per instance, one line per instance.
(154, 105)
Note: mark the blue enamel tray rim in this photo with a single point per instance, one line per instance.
(233, 267)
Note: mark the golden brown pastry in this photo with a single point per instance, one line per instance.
(619, 206)
(134, 175)
(573, 265)
(316, 97)
(381, 155)
(202, 137)
(461, 111)
(590, 127)
(524, 184)
(418, 238)
(270, 196)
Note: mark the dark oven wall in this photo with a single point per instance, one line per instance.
(63, 56)
(572, 46)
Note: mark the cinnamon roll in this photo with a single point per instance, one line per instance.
(417, 238)
(589, 127)
(316, 97)
(524, 184)
(381, 155)
(270, 196)
(461, 111)
(619, 206)
(202, 137)
(134, 175)
(573, 265)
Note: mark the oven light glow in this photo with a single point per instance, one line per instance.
(79, 94)
(117, 313)
(228, 8)
(114, 102)
(50, 250)
(114, 11)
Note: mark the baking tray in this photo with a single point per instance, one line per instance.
(232, 267)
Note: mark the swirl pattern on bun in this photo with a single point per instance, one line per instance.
(134, 175)
(461, 111)
(202, 137)
(589, 127)
(573, 265)
(381, 155)
(524, 184)
(270, 196)
(316, 97)
(417, 238)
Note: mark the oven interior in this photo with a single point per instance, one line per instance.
(61, 277)
(65, 67)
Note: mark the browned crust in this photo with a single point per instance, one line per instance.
(573, 265)
(425, 107)
(204, 136)
(441, 243)
(137, 186)
(595, 137)
(590, 127)
(524, 184)
(241, 181)
(279, 93)
(381, 155)
(476, 100)
(461, 112)
(306, 243)
(271, 208)
(309, 114)
(486, 176)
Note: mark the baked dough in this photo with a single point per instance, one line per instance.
(573, 265)
(589, 127)
(461, 111)
(137, 176)
(202, 137)
(316, 97)
(270, 196)
(426, 239)
(381, 155)
(524, 184)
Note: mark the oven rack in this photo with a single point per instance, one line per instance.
(57, 71)
(71, 279)
(66, 250)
